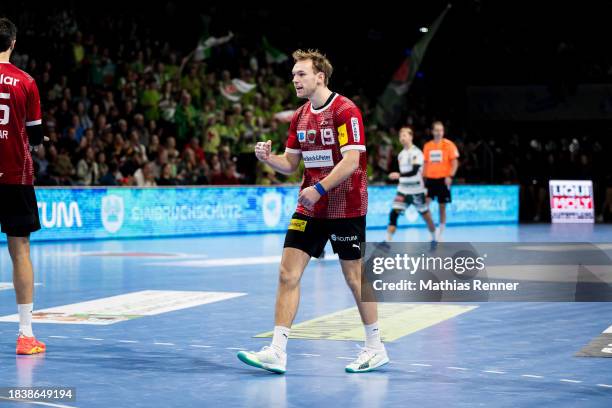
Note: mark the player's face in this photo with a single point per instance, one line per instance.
(304, 79)
(438, 131)
(405, 137)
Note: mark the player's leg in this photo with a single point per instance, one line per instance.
(399, 205)
(292, 267)
(444, 198)
(304, 239)
(349, 233)
(421, 205)
(19, 219)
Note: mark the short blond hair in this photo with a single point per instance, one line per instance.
(320, 63)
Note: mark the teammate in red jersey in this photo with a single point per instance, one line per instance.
(20, 128)
(327, 133)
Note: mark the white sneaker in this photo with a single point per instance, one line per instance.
(269, 358)
(369, 359)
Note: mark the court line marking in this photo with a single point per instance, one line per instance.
(565, 380)
(48, 404)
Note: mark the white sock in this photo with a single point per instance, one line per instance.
(441, 228)
(280, 337)
(389, 237)
(372, 333)
(25, 319)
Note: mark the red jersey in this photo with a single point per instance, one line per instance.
(19, 107)
(322, 136)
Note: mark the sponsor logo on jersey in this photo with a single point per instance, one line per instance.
(301, 136)
(435, 156)
(7, 80)
(317, 158)
(342, 135)
(297, 225)
(312, 136)
(355, 127)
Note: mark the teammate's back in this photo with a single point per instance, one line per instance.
(19, 107)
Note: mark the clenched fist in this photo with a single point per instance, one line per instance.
(263, 150)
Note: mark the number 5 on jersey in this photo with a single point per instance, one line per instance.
(4, 109)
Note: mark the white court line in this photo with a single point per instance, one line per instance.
(163, 344)
(531, 376)
(235, 348)
(47, 404)
(345, 358)
(570, 381)
(420, 365)
(199, 346)
(92, 339)
(127, 341)
(58, 337)
(458, 368)
(309, 355)
(494, 372)
(604, 385)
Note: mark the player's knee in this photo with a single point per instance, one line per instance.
(393, 216)
(288, 277)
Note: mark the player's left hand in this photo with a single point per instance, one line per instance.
(448, 181)
(309, 197)
(35, 148)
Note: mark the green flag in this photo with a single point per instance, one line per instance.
(392, 102)
(273, 55)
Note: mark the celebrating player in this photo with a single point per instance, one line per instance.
(410, 190)
(20, 128)
(327, 133)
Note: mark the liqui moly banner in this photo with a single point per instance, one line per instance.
(571, 201)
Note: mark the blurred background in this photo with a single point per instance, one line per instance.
(174, 93)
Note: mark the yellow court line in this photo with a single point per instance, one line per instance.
(395, 320)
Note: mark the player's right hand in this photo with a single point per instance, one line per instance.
(263, 150)
(394, 176)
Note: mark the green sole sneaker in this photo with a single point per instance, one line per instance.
(253, 361)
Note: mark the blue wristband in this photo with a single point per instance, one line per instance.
(320, 189)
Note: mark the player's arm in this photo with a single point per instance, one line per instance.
(342, 170)
(454, 166)
(33, 117)
(286, 163)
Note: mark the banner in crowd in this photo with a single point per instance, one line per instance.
(571, 201)
(102, 213)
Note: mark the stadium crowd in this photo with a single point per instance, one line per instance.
(136, 112)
